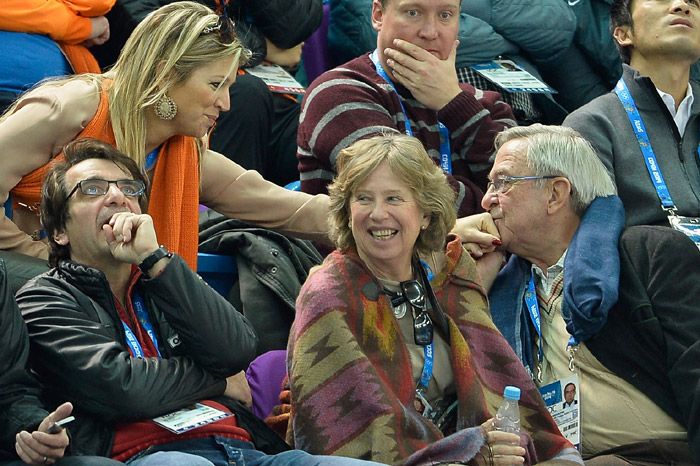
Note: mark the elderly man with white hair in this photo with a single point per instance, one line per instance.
(579, 298)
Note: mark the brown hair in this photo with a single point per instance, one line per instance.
(410, 162)
(54, 204)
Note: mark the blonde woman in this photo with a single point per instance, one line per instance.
(157, 104)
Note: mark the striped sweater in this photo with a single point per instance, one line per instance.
(353, 102)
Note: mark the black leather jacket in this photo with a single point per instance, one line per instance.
(20, 408)
(79, 353)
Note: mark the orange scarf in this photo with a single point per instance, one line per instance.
(80, 58)
(174, 196)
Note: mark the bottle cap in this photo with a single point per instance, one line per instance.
(512, 393)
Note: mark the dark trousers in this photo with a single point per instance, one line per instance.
(649, 453)
(260, 131)
(652, 336)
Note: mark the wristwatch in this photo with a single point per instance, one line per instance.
(154, 257)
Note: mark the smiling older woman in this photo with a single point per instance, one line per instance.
(393, 355)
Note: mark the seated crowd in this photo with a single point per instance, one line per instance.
(466, 252)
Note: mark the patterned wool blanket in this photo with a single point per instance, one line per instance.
(350, 371)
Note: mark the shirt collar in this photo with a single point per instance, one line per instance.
(545, 280)
(682, 115)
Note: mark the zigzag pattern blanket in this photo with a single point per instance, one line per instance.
(350, 372)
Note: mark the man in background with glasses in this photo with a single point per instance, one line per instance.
(148, 353)
(556, 300)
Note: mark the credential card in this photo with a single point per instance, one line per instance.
(190, 418)
(562, 400)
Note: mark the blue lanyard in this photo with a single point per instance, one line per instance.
(152, 158)
(535, 316)
(445, 151)
(142, 316)
(640, 131)
(132, 342)
(427, 372)
(428, 270)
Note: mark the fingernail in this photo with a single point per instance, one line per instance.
(496, 242)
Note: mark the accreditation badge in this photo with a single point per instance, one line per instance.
(689, 226)
(509, 76)
(191, 417)
(563, 400)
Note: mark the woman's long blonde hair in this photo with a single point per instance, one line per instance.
(164, 50)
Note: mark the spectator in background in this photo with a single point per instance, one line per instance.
(659, 42)
(24, 423)
(409, 85)
(159, 114)
(534, 35)
(46, 38)
(262, 134)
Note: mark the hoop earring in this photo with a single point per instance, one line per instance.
(165, 107)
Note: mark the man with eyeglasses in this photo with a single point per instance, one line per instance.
(619, 323)
(148, 353)
(647, 130)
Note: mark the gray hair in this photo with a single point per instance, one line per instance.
(561, 151)
(409, 161)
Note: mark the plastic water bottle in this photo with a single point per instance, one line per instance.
(508, 414)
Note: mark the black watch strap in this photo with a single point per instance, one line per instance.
(154, 257)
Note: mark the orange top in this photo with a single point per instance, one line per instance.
(174, 196)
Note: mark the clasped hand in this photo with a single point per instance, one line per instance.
(481, 239)
(432, 81)
(131, 237)
(500, 448)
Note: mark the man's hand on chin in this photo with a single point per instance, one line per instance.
(432, 81)
(131, 237)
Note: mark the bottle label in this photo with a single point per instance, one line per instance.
(562, 398)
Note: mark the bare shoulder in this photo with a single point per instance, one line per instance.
(44, 120)
(74, 101)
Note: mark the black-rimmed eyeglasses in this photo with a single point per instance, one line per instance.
(99, 187)
(505, 182)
